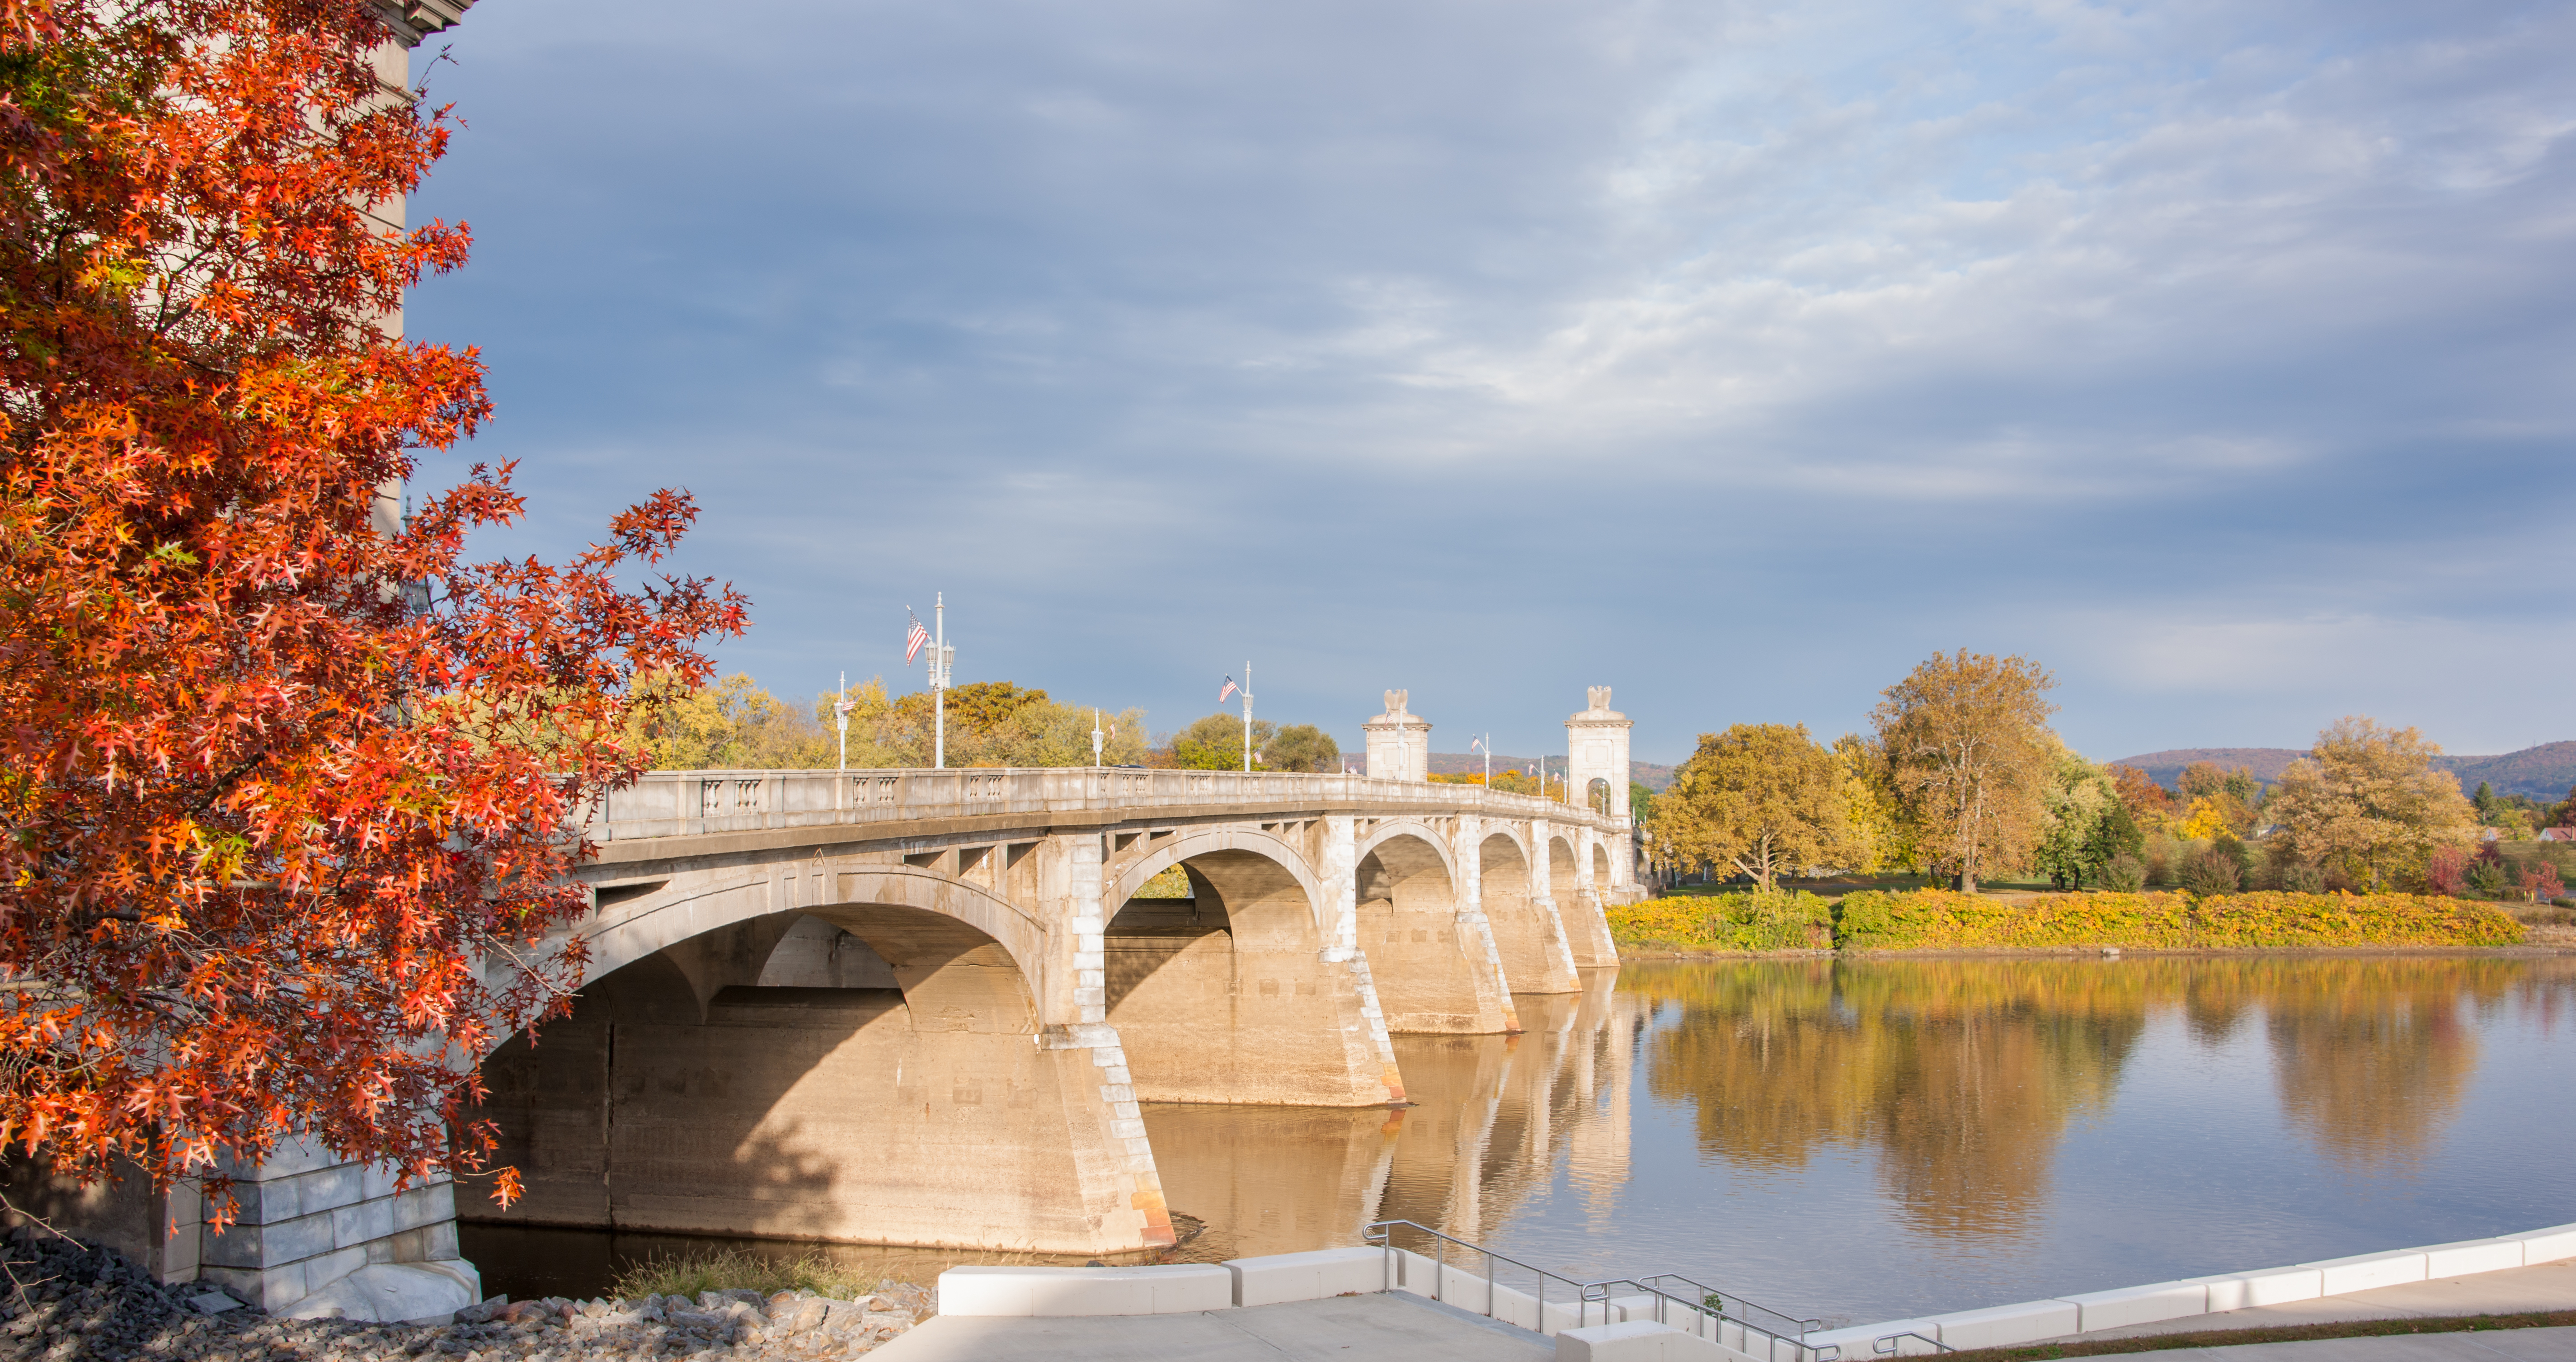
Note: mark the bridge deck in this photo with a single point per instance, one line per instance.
(697, 803)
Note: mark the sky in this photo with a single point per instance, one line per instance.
(2221, 358)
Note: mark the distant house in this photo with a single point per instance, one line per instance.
(2558, 834)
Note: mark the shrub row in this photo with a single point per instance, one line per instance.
(1726, 922)
(1939, 919)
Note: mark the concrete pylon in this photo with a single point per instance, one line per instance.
(1596, 748)
(1399, 743)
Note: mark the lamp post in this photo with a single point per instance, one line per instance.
(1095, 739)
(942, 657)
(841, 708)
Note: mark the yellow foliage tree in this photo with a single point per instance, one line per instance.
(2368, 799)
(1968, 751)
(1875, 836)
(1764, 798)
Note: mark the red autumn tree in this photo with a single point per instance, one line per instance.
(266, 815)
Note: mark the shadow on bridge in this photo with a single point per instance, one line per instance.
(860, 1072)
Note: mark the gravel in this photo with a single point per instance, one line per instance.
(64, 1301)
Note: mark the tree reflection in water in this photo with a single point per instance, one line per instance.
(1962, 1076)
(1957, 1080)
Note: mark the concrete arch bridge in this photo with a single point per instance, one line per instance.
(922, 1006)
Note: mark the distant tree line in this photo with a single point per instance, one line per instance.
(1962, 778)
(735, 724)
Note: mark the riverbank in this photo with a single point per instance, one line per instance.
(72, 1303)
(1794, 924)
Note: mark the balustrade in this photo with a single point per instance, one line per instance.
(695, 803)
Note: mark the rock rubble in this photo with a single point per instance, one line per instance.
(71, 1304)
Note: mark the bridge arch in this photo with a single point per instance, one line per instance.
(684, 1095)
(1434, 966)
(663, 920)
(1233, 994)
(1528, 934)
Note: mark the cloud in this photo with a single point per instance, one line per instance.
(1507, 346)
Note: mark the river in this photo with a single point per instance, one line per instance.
(1863, 1139)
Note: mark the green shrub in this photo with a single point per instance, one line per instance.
(2210, 872)
(2125, 874)
(1776, 921)
(1938, 919)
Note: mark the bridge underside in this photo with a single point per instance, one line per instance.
(871, 1109)
(945, 1038)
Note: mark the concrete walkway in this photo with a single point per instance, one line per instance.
(2491, 1345)
(2547, 1286)
(1392, 1324)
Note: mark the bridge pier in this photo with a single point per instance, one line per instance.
(1428, 944)
(1248, 991)
(1528, 933)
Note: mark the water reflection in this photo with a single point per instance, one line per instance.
(1491, 1117)
(1962, 1077)
(1868, 1139)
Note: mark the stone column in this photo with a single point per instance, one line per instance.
(1121, 1191)
(1339, 877)
(1475, 930)
(1589, 931)
(1543, 898)
(1083, 995)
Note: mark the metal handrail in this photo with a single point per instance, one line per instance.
(1888, 1345)
(1706, 1302)
(1382, 1235)
(1731, 1306)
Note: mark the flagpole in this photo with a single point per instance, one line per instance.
(939, 685)
(1247, 716)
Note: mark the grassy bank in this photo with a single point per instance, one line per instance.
(1940, 919)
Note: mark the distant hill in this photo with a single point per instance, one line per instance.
(2543, 772)
(1645, 773)
(2267, 763)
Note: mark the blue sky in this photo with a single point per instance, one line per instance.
(2222, 358)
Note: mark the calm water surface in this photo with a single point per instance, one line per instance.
(1864, 1140)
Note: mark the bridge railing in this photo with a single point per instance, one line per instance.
(693, 803)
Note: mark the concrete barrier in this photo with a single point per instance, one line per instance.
(2368, 1271)
(1640, 1341)
(1282, 1277)
(2264, 1286)
(1179, 1289)
(2093, 1311)
(2549, 1245)
(2002, 1326)
(2139, 1305)
(2471, 1256)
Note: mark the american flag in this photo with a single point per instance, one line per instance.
(914, 638)
(1476, 745)
(1230, 688)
